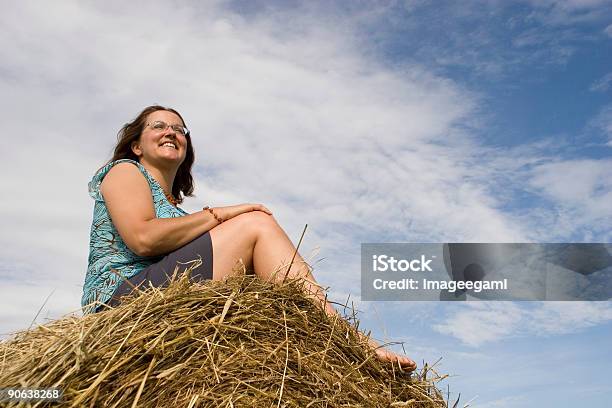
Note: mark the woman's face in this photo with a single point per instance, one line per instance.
(160, 143)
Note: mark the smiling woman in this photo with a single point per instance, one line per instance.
(139, 235)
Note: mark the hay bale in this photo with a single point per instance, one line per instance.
(239, 343)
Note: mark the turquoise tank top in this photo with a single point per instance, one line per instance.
(106, 248)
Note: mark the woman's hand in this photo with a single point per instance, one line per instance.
(226, 213)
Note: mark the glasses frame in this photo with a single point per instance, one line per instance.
(177, 128)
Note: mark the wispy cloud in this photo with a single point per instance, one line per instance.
(482, 322)
(304, 122)
(570, 12)
(293, 108)
(562, 317)
(601, 124)
(478, 323)
(602, 84)
(489, 40)
(584, 201)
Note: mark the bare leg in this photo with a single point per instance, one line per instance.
(258, 240)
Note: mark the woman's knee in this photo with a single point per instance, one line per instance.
(256, 222)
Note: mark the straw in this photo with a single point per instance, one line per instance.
(243, 342)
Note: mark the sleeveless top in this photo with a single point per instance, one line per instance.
(106, 247)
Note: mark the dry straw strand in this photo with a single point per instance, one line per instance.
(243, 342)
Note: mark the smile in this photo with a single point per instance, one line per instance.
(170, 144)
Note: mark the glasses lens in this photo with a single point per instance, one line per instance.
(179, 129)
(159, 125)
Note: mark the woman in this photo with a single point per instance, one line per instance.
(139, 234)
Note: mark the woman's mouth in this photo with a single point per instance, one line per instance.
(170, 144)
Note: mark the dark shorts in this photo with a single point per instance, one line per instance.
(159, 273)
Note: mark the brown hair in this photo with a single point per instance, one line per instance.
(130, 132)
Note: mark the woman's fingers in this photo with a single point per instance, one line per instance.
(260, 207)
(265, 209)
(233, 210)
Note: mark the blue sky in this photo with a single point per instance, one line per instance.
(414, 121)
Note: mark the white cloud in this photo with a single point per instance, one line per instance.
(581, 189)
(474, 36)
(568, 317)
(602, 123)
(592, 177)
(478, 323)
(570, 12)
(21, 301)
(284, 110)
(608, 30)
(602, 84)
(572, 4)
(482, 322)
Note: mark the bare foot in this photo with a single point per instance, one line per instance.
(383, 354)
(388, 356)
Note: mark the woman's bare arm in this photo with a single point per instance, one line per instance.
(128, 199)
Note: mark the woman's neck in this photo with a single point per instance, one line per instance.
(164, 176)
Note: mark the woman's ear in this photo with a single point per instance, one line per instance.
(136, 149)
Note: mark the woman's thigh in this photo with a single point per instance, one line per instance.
(220, 249)
(234, 240)
(159, 273)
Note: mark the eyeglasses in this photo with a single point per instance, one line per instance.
(161, 126)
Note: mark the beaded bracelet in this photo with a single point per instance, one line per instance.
(207, 208)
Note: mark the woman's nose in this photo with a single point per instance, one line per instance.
(170, 131)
